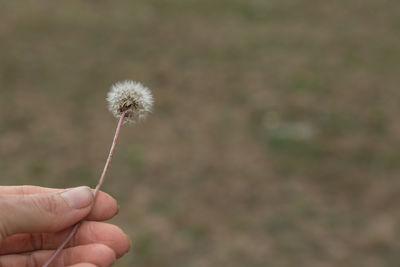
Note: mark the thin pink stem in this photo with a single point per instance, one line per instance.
(101, 181)
(63, 244)
(110, 156)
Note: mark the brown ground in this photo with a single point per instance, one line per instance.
(274, 140)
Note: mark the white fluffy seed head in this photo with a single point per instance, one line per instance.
(132, 97)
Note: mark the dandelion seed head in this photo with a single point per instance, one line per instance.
(130, 97)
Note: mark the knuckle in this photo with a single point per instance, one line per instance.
(37, 241)
(47, 204)
(31, 261)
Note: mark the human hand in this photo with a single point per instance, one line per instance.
(34, 221)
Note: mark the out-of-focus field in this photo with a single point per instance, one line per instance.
(274, 140)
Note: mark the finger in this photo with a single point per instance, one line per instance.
(88, 233)
(27, 190)
(95, 254)
(104, 208)
(83, 265)
(47, 212)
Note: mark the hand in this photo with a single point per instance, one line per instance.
(34, 221)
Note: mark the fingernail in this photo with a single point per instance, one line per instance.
(78, 198)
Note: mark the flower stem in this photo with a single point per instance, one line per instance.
(110, 156)
(101, 181)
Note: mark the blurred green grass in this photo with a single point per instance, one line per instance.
(274, 139)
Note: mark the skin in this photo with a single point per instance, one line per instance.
(35, 220)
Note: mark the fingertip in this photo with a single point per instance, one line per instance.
(107, 234)
(105, 207)
(125, 244)
(108, 255)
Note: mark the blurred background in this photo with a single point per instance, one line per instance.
(274, 140)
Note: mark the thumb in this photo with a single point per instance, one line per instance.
(43, 212)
